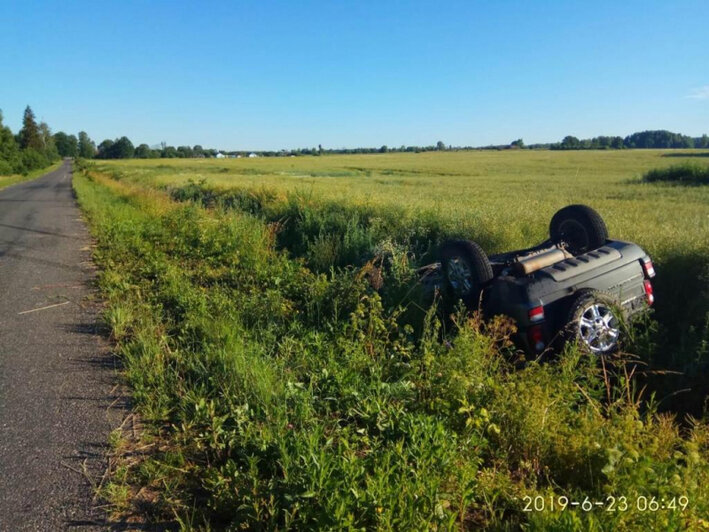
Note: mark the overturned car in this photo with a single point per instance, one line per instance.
(578, 285)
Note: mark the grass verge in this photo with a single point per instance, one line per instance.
(8, 180)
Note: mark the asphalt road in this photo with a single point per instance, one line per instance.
(57, 378)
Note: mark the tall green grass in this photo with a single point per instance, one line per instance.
(329, 234)
(681, 174)
(279, 393)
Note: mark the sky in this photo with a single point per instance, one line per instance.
(272, 75)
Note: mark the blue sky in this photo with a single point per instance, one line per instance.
(271, 75)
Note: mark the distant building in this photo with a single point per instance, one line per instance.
(220, 155)
(252, 155)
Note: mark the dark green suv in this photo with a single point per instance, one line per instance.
(577, 285)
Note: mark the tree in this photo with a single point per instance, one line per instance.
(67, 145)
(185, 152)
(30, 136)
(87, 148)
(658, 139)
(570, 143)
(49, 148)
(9, 152)
(519, 143)
(116, 149)
(105, 149)
(383, 149)
(440, 146)
(168, 152)
(123, 149)
(144, 152)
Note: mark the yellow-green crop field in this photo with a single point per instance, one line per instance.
(508, 195)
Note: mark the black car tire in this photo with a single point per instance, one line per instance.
(594, 323)
(466, 268)
(579, 228)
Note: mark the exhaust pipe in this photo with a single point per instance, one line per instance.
(528, 265)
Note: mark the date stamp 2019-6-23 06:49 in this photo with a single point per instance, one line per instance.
(610, 503)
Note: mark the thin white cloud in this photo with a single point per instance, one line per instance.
(700, 93)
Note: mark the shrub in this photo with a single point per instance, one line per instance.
(683, 174)
(33, 159)
(6, 168)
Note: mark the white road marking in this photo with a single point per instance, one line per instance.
(44, 308)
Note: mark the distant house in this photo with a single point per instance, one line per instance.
(252, 155)
(220, 155)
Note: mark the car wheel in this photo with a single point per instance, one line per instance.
(466, 269)
(594, 323)
(579, 228)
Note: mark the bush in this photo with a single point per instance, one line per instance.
(683, 174)
(33, 159)
(6, 168)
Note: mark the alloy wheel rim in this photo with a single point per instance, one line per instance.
(598, 328)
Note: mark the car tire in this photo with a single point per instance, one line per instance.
(466, 269)
(579, 228)
(594, 323)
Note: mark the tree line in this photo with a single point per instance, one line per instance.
(31, 148)
(653, 139)
(34, 146)
(657, 139)
(123, 148)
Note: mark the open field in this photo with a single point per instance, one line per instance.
(507, 196)
(280, 389)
